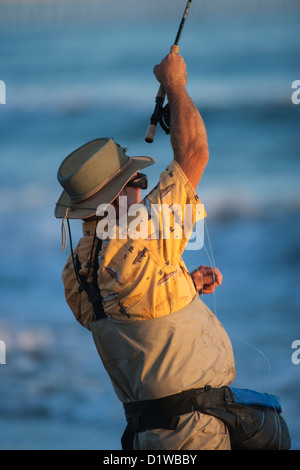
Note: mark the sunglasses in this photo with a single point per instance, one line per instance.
(139, 181)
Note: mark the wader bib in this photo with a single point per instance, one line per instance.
(150, 359)
(155, 358)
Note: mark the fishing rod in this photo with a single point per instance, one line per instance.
(161, 114)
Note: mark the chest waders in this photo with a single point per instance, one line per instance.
(253, 419)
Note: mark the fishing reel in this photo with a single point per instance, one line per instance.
(164, 119)
(161, 115)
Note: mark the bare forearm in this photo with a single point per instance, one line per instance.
(188, 134)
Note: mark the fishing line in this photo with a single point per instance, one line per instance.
(212, 262)
(192, 19)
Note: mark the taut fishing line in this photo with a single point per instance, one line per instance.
(211, 260)
(192, 17)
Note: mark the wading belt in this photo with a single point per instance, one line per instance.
(252, 418)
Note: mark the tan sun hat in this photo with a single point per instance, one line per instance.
(95, 174)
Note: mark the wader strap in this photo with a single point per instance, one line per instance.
(92, 288)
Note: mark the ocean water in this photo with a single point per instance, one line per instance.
(77, 71)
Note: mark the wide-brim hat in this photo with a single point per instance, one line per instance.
(95, 174)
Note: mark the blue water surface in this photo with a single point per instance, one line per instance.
(70, 79)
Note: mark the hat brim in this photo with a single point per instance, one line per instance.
(106, 195)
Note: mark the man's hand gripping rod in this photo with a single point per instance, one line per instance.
(160, 97)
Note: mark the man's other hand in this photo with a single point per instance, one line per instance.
(206, 279)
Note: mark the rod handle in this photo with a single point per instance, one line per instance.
(160, 97)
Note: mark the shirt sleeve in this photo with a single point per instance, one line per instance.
(173, 209)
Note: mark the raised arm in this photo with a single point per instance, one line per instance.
(187, 130)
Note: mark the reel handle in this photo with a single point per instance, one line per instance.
(159, 99)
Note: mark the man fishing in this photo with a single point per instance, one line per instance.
(158, 341)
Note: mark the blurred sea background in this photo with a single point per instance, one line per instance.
(78, 70)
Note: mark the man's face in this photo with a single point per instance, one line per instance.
(133, 195)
